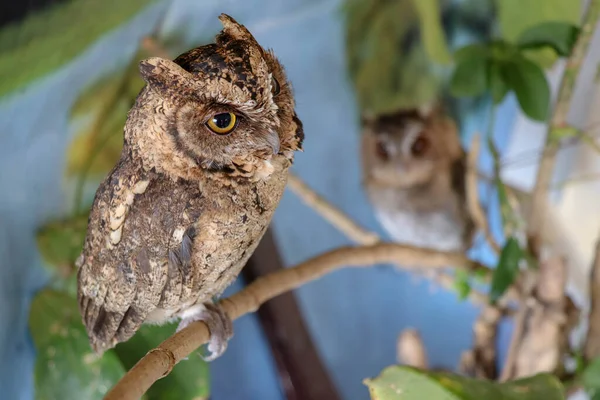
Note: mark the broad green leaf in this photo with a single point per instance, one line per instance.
(496, 83)
(560, 36)
(432, 31)
(407, 383)
(60, 242)
(470, 75)
(97, 146)
(387, 73)
(516, 16)
(189, 380)
(529, 83)
(591, 378)
(49, 39)
(66, 367)
(507, 269)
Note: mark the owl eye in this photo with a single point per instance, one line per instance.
(419, 146)
(382, 150)
(275, 86)
(223, 123)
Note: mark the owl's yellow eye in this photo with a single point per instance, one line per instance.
(223, 123)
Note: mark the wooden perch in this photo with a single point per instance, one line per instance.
(160, 361)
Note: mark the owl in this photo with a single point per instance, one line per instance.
(207, 147)
(414, 173)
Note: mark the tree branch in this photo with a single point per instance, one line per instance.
(347, 226)
(160, 361)
(559, 120)
(331, 214)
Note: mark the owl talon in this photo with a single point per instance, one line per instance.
(218, 322)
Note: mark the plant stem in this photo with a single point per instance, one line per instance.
(559, 120)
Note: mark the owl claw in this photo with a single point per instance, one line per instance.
(218, 322)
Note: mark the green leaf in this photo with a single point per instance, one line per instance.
(407, 383)
(560, 133)
(49, 39)
(462, 284)
(387, 74)
(591, 378)
(496, 82)
(507, 269)
(530, 85)
(60, 242)
(470, 75)
(188, 380)
(560, 36)
(432, 30)
(97, 145)
(516, 16)
(66, 367)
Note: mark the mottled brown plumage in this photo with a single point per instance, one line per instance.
(182, 211)
(414, 172)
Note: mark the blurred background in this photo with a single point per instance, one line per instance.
(68, 75)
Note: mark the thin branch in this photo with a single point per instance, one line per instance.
(335, 217)
(473, 203)
(480, 362)
(543, 325)
(160, 361)
(559, 120)
(361, 235)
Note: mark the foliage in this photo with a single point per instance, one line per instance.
(407, 383)
(49, 39)
(434, 39)
(507, 269)
(388, 73)
(97, 144)
(500, 67)
(62, 345)
(60, 243)
(591, 379)
(517, 16)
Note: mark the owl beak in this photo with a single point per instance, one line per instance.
(274, 142)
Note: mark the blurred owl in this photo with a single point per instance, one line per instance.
(207, 147)
(414, 173)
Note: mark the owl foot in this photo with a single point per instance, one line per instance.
(218, 322)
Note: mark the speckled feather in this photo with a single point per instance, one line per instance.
(418, 199)
(182, 211)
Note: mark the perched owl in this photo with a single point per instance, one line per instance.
(207, 147)
(414, 173)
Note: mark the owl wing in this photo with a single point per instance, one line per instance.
(109, 279)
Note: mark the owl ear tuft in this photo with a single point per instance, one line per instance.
(166, 77)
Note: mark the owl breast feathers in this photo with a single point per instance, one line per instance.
(207, 147)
